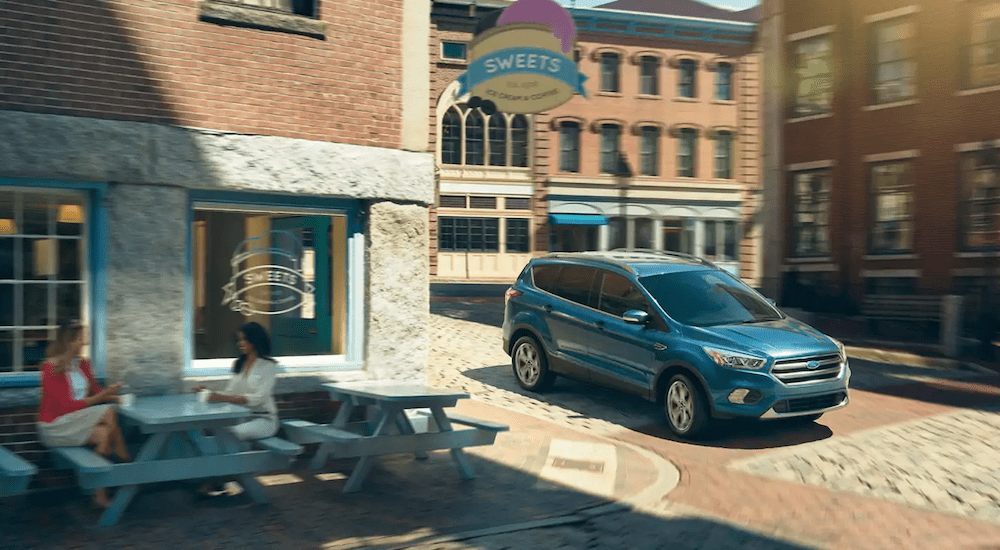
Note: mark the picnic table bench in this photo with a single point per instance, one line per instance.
(178, 449)
(390, 431)
(15, 473)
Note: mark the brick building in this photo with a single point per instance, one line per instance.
(883, 152)
(663, 154)
(171, 170)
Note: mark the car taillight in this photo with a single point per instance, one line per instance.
(511, 293)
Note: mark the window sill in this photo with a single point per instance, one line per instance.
(881, 106)
(723, 102)
(982, 90)
(979, 254)
(454, 60)
(649, 96)
(890, 256)
(243, 16)
(610, 94)
(808, 118)
(686, 99)
(810, 259)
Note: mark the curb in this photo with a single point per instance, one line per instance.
(913, 359)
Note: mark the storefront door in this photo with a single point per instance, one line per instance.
(304, 330)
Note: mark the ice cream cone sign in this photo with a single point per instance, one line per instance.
(524, 64)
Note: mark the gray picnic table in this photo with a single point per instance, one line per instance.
(390, 430)
(176, 449)
(15, 473)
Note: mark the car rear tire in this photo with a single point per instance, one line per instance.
(531, 366)
(685, 408)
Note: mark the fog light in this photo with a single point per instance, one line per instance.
(743, 396)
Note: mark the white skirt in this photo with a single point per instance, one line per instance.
(73, 429)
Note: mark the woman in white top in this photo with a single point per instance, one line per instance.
(252, 384)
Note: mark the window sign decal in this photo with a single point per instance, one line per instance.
(268, 276)
(521, 65)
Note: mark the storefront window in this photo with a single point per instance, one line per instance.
(286, 271)
(43, 271)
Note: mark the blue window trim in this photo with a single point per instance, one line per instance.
(354, 210)
(97, 220)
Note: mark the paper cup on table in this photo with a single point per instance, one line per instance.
(203, 396)
(127, 400)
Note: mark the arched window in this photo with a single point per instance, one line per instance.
(519, 141)
(474, 138)
(451, 138)
(498, 140)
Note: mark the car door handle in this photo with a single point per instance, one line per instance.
(600, 324)
(547, 307)
(659, 347)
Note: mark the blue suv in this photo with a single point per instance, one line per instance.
(673, 328)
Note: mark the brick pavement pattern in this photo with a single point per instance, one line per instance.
(946, 463)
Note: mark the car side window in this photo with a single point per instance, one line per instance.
(575, 283)
(545, 277)
(619, 295)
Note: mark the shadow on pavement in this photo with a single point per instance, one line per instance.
(948, 387)
(404, 504)
(635, 413)
(487, 312)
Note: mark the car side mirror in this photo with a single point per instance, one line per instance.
(636, 317)
(772, 302)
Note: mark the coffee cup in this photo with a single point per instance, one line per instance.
(127, 400)
(203, 396)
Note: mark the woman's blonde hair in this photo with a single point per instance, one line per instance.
(66, 333)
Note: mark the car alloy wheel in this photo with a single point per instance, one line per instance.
(680, 406)
(531, 367)
(526, 363)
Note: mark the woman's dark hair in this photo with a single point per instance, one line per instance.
(258, 338)
(67, 332)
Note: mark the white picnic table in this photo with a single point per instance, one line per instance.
(390, 430)
(176, 449)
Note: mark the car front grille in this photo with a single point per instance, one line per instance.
(811, 403)
(793, 372)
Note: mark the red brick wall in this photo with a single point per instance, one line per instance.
(157, 62)
(934, 125)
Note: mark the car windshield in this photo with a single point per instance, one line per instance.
(705, 298)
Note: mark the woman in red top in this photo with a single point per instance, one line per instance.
(74, 409)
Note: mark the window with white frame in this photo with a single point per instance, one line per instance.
(980, 196)
(468, 234)
(569, 146)
(298, 7)
(724, 81)
(470, 137)
(649, 151)
(687, 73)
(892, 207)
(453, 51)
(649, 75)
(811, 213)
(984, 44)
(286, 270)
(895, 65)
(44, 275)
(724, 154)
(610, 148)
(719, 240)
(687, 143)
(812, 76)
(610, 78)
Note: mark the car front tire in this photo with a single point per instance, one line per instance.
(685, 408)
(531, 366)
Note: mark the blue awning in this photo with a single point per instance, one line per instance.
(577, 219)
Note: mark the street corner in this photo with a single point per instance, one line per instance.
(564, 459)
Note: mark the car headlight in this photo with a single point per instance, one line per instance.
(840, 349)
(733, 360)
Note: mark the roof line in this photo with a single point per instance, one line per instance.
(664, 15)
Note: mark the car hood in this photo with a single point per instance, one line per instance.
(782, 338)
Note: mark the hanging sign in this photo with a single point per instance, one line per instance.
(523, 65)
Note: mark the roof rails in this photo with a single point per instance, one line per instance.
(670, 253)
(596, 255)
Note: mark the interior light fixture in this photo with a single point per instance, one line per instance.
(70, 213)
(8, 226)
